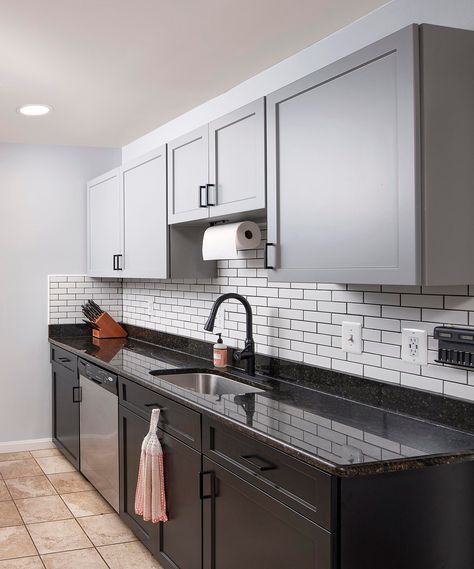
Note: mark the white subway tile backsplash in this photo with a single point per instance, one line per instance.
(297, 321)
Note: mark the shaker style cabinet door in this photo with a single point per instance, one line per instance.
(66, 411)
(132, 430)
(145, 217)
(237, 161)
(343, 188)
(104, 215)
(188, 188)
(244, 527)
(176, 543)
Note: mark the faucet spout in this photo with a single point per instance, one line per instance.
(248, 353)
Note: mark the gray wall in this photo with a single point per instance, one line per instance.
(42, 231)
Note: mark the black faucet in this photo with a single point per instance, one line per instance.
(248, 353)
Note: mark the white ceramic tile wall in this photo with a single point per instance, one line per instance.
(299, 321)
(68, 292)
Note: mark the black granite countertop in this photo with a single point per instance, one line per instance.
(333, 433)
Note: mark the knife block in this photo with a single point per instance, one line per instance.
(108, 328)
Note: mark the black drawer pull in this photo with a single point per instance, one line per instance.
(64, 360)
(257, 463)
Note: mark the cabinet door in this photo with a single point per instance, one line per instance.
(104, 215)
(132, 431)
(237, 160)
(343, 187)
(145, 217)
(188, 177)
(66, 411)
(182, 468)
(244, 527)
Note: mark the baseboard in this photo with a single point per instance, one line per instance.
(32, 444)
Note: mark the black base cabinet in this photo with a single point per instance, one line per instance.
(234, 502)
(65, 404)
(177, 543)
(245, 527)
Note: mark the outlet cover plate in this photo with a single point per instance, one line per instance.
(414, 346)
(351, 337)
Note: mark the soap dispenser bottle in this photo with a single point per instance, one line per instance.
(220, 353)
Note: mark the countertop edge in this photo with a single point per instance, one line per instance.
(343, 471)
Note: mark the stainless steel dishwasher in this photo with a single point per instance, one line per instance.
(99, 430)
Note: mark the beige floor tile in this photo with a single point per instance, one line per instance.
(52, 537)
(45, 452)
(106, 529)
(23, 563)
(44, 509)
(14, 455)
(30, 487)
(55, 464)
(69, 482)
(19, 468)
(15, 542)
(9, 515)
(84, 504)
(128, 556)
(4, 493)
(80, 559)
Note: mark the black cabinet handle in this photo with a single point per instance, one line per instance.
(117, 266)
(265, 255)
(64, 360)
(76, 398)
(212, 493)
(201, 188)
(207, 194)
(257, 463)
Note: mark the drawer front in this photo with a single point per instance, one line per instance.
(307, 490)
(175, 419)
(64, 358)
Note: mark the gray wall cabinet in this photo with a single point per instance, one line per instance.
(104, 231)
(219, 169)
(356, 148)
(145, 221)
(128, 228)
(188, 177)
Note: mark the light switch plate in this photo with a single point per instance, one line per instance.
(414, 346)
(351, 337)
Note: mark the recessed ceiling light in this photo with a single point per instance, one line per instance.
(34, 110)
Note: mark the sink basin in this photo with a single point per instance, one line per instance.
(209, 384)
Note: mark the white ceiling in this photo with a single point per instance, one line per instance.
(116, 69)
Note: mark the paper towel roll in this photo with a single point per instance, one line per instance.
(226, 240)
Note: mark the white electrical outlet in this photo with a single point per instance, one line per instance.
(414, 346)
(351, 337)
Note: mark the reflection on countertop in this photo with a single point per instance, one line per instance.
(333, 433)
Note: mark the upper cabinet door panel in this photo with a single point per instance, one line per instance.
(343, 182)
(188, 176)
(145, 217)
(104, 224)
(237, 160)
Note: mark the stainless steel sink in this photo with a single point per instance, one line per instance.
(209, 384)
